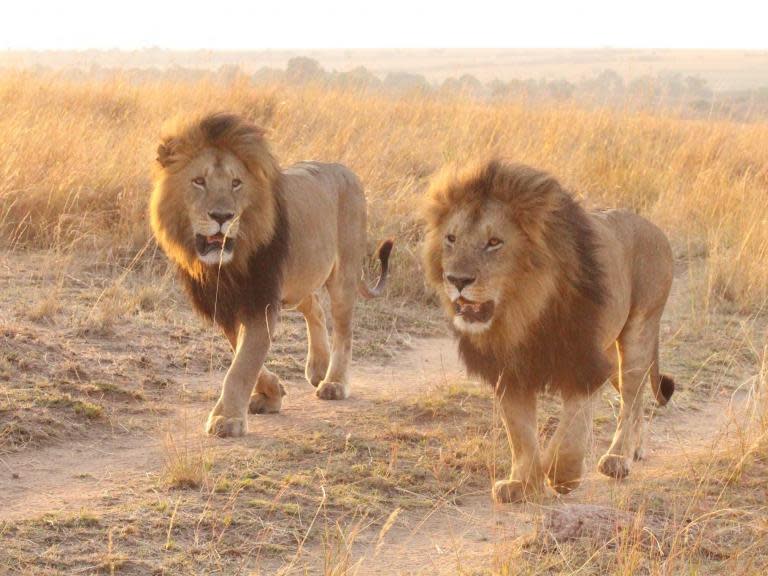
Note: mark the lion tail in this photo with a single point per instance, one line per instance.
(663, 388)
(385, 249)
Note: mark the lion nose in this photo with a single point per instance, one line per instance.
(460, 282)
(221, 217)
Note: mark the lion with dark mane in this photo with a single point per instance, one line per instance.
(249, 239)
(545, 295)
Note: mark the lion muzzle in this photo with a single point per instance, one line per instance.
(470, 311)
(213, 244)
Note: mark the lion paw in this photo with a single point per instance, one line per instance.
(332, 391)
(564, 486)
(614, 466)
(564, 474)
(224, 427)
(263, 404)
(512, 491)
(639, 454)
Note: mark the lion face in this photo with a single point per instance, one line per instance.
(214, 199)
(479, 251)
(489, 251)
(218, 189)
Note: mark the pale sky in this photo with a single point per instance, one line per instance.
(277, 24)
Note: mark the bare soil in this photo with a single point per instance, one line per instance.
(395, 480)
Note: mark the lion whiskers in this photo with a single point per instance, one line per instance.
(473, 293)
(450, 291)
(208, 228)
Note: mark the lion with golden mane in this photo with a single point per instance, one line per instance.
(249, 239)
(545, 295)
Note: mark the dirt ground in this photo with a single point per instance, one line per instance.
(106, 379)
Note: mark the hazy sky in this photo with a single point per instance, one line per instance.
(242, 25)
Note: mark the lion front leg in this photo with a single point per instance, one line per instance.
(564, 456)
(267, 396)
(526, 481)
(229, 416)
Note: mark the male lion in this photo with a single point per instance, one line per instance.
(249, 239)
(543, 294)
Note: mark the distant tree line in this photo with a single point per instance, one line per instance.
(687, 94)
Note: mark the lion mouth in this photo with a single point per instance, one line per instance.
(474, 311)
(216, 243)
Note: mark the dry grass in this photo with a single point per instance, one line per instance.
(105, 347)
(703, 514)
(185, 466)
(319, 502)
(75, 162)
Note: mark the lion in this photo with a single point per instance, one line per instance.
(250, 239)
(542, 294)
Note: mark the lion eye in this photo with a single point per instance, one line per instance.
(199, 181)
(236, 183)
(450, 238)
(493, 243)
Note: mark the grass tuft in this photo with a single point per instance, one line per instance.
(184, 466)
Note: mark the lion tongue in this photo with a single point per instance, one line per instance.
(215, 239)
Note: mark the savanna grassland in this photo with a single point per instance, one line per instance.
(106, 375)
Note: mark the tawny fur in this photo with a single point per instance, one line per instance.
(574, 291)
(295, 231)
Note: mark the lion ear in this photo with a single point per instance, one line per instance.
(164, 154)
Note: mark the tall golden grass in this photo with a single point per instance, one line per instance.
(75, 161)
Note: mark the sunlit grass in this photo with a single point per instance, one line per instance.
(75, 160)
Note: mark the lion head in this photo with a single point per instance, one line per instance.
(495, 249)
(213, 201)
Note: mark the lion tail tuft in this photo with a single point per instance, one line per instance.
(664, 389)
(384, 251)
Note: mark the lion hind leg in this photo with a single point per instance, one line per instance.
(638, 350)
(343, 291)
(318, 351)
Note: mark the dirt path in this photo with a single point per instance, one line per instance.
(72, 476)
(467, 535)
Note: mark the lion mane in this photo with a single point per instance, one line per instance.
(252, 281)
(546, 333)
